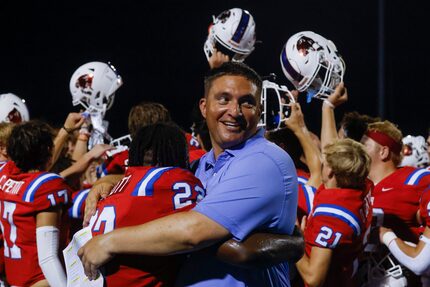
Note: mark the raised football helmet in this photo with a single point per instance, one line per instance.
(93, 86)
(312, 63)
(415, 152)
(232, 33)
(275, 100)
(13, 109)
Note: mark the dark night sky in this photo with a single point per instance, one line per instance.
(157, 48)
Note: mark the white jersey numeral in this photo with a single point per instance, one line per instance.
(107, 216)
(325, 235)
(13, 251)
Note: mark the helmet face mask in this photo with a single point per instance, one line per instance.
(415, 152)
(13, 109)
(275, 100)
(311, 63)
(93, 86)
(233, 34)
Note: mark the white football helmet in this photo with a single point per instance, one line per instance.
(93, 86)
(384, 273)
(13, 109)
(232, 33)
(275, 100)
(312, 63)
(415, 152)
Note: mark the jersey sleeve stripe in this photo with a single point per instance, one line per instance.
(309, 195)
(415, 177)
(302, 180)
(341, 213)
(145, 187)
(77, 204)
(36, 183)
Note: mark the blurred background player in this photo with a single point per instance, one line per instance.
(33, 204)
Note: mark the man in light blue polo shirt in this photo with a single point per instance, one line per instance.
(251, 186)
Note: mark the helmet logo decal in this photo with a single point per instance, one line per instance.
(241, 28)
(14, 116)
(224, 16)
(306, 44)
(84, 83)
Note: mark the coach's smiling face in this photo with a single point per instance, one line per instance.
(232, 111)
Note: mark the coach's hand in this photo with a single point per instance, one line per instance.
(98, 191)
(94, 254)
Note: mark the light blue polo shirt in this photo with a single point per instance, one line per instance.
(251, 187)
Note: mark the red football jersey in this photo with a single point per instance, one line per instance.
(145, 194)
(425, 207)
(194, 150)
(306, 195)
(117, 164)
(22, 197)
(396, 201)
(339, 220)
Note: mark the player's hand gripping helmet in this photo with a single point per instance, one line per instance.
(275, 100)
(312, 64)
(93, 85)
(415, 152)
(232, 33)
(13, 109)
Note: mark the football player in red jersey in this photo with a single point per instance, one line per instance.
(5, 131)
(397, 191)
(341, 214)
(32, 205)
(156, 184)
(414, 257)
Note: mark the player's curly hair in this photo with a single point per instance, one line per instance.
(146, 113)
(349, 162)
(161, 145)
(30, 145)
(355, 124)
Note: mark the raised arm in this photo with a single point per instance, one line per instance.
(414, 257)
(263, 249)
(328, 125)
(73, 122)
(296, 123)
(81, 165)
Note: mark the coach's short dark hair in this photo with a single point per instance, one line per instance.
(30, 145)
(233, 69)
(160, 144)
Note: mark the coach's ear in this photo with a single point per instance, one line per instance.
(202, 105)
